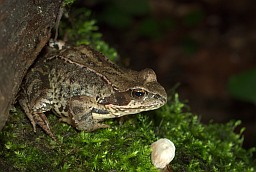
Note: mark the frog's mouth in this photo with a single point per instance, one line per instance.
(100, 114)
(114, 111)
(118, 111)
(126, 110)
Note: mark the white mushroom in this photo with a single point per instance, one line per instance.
(163, 152)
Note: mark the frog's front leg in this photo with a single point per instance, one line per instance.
(81, 109)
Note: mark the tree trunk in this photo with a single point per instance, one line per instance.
(25, 27)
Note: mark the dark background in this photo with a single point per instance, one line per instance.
(198, 44)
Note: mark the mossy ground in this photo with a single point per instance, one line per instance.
(116, 148)
(125, 146)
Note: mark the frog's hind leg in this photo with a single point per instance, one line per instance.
(43, 122)
(24, 105)
(37, 118)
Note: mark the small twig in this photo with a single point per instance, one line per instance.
(58, 22)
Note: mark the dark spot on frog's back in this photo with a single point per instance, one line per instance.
(72, 79)
(61, 109)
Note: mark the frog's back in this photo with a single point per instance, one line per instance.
(68, 79)
(62, 74)
(99, 64)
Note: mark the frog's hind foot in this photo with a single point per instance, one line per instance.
(43, 122)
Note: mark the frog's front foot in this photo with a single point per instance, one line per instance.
(80, 114)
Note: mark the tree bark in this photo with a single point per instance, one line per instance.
(25, 28)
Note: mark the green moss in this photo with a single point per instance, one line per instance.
(80, 29)
(214, 147)
(119, 147)
(68, 2)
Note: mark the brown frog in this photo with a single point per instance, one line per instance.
(83, 87)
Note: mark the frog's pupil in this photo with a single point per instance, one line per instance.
(138, 93)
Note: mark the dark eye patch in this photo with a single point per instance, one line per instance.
(118, 98)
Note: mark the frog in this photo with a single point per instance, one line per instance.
(84, 88)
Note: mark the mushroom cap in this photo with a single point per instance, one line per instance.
(163, 152)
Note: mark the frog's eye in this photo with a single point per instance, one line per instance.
(138, 93)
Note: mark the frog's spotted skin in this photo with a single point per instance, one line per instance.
(83, 87)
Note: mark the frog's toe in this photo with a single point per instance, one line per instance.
(43, 122)
(34, 126)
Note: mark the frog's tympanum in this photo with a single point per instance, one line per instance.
(83, 87)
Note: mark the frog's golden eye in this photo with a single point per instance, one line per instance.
(138, 93)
